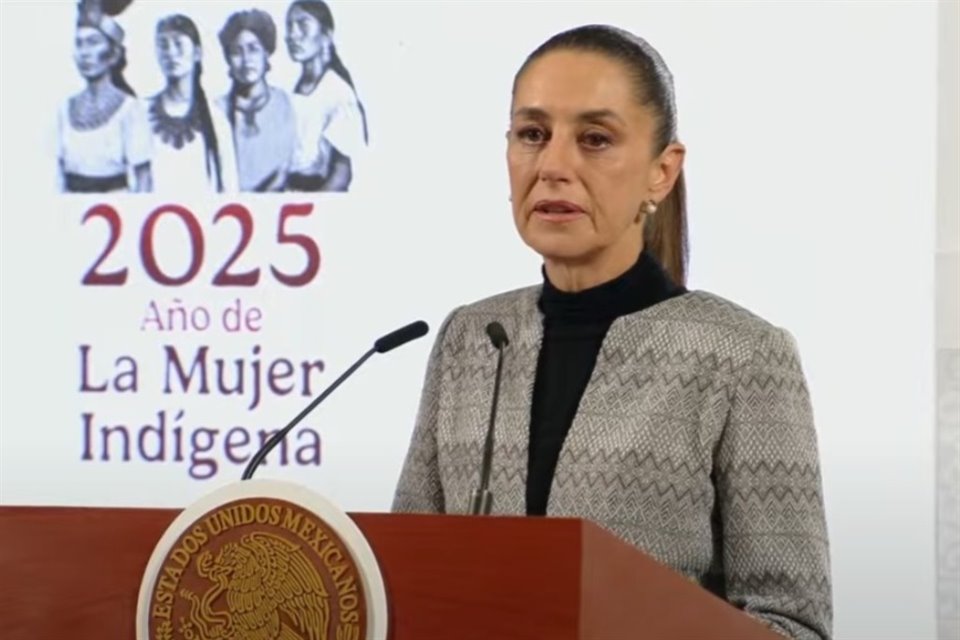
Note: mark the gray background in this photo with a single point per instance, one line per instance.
(948, 325)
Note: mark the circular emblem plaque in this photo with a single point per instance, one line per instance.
(263, 560)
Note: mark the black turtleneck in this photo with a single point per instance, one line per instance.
(574, 326)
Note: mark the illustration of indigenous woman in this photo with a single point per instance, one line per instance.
(331, 123)
(260, 115)
(193, 147)
(104, 138)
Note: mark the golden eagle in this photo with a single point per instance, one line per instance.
(262, 577)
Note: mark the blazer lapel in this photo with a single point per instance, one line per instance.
(596, 439)
(524, 326)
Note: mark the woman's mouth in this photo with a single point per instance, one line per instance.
(557, 210)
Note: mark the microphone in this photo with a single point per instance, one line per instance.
(482, 500)
(387, 343)
(401, 336)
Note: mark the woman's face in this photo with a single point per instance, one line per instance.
(94, 53)
(306, 38)
(177, 54)
(247, 58)
(582, 161)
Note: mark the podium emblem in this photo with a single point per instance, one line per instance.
(262, 560)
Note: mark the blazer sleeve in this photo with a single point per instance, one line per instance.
(419, 489)
(775, 548)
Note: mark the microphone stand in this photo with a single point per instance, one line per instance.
(280, 435)
(482, 501)
(384, 344)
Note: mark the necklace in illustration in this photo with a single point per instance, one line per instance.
(92, 111)
(172, 130)
(249, 108)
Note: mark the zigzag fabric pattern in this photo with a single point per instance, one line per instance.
(694, 440)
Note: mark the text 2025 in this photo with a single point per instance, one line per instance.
(224, 276)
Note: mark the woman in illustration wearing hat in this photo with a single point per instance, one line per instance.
(260, 115)
(104, 137)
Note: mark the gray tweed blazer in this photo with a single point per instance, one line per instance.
(694, 441)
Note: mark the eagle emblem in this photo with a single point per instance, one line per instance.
(263, 587)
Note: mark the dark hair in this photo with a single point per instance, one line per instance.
(665, 234)
(254, 20)
(261, 25)
(321, 12)
(182, 24)
(109, 7)
(116, 71)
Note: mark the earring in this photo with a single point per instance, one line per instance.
(648, 208)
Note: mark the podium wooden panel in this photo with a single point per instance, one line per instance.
(75, 573)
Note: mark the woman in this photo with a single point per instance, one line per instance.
(193, 150)
(676, 419)
(260, 115)
(104, 138)
(331, 125)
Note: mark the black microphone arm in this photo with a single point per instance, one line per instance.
(387, 343)
(482, 501)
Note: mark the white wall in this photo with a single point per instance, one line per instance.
(811, 130)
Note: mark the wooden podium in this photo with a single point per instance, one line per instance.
(75, 573)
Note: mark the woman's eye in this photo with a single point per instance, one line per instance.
(532, 135)
(596, 140)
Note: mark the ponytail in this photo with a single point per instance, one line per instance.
(206, 126)
(337, 65)
(116, 73)
(665, 233)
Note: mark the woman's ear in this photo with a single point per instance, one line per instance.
(665, 169)
(326, 48)
(114, 55)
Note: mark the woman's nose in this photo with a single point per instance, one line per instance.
(556, 161)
